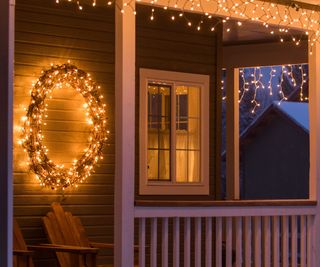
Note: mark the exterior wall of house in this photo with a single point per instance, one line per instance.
(50, 33)
(276, 162)
(169, 45)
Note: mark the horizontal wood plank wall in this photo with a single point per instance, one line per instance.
(50, 33)
(170, 45)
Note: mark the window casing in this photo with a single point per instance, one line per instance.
(174, 133)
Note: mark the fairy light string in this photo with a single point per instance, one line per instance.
(280, 85)
(271, 76)
(281, 15)
(257, 84)
(303, 82)
(50, 174)
(245, 86)
(252, 83)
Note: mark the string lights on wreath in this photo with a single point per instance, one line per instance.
(50, 174)
(267, 13)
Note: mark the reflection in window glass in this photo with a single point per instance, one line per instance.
(159, 120)
(187, 134)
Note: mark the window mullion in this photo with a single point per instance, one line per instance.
(173, 135)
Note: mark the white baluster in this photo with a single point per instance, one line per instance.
(294, 238)
(229, 241)
(208, 242)
(303, 240)
(310, 223)
(257, 241)
(176, 242)
(197, 242)
(164, 251)
(153, 243)
(248, 241)
(285, 241)
(238, 241)
(218, 242)
(187, 238)
(142, 242)
(266, 241)
(275, 241)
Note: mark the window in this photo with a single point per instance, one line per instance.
(174, 133)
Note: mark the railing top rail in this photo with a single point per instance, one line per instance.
(225, 203)
(216, 209)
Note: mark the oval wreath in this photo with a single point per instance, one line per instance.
(49, 173)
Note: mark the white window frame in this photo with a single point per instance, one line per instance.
(171, 187)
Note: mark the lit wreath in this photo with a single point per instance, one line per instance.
(48, 173)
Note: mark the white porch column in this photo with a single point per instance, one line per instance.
(125, 136)
(314, 111)
(232, 134)
(6, 92)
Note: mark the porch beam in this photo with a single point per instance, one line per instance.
(6, 106)
(125, 135)
(270, 54)
(314, 111)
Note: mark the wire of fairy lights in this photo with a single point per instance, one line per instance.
(268, 13)
(255, 82)
(48, 173)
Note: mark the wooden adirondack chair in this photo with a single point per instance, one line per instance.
(22, 257)
(22, 254)
(65, 229)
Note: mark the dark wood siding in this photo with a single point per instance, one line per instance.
(173, 46)
(45, 33)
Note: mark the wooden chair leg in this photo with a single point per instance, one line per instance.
(75, 260)
(23, 261)
(29, 264)
(15, 261)
(90, 260)
(94, 260)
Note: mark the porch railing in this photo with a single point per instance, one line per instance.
(242, 233)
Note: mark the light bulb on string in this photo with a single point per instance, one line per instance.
(50, 174)
(265, 13)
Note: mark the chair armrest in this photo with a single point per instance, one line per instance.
(64, 248)
(19, 252)
(102, 245)
(107, 245)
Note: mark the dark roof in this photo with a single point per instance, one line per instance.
(296, 113)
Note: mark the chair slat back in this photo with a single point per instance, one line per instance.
(20, 244)
(65, 229)
(18, 240)
(64, 226)
(55, 236)
(78, 230)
